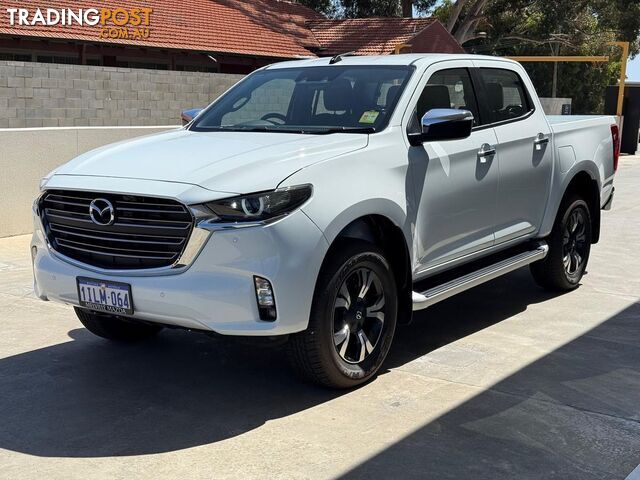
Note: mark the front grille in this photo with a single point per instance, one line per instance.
(146, 232)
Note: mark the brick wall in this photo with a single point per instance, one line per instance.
(53, 95)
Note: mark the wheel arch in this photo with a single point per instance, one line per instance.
(584, 180)
(380, 230)
(584, 184)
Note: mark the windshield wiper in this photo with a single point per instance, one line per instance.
(266, 128)
(308, 130)
(324, 131)
(304, 130)
(257, 128)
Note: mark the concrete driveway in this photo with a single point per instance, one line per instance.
(504, 381)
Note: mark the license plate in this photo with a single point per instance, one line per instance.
(105, 296)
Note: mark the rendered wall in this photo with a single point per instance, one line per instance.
(28, 154)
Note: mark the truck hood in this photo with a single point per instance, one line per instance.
(232, 162)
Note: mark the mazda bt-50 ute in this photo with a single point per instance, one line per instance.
(322, 202)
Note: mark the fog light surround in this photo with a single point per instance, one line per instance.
(265, 298)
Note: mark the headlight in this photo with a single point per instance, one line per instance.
(257, 207)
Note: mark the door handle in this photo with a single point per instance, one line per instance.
(485, 151)
(540, 140)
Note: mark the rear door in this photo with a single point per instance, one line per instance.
(524, 147)
(455, 181)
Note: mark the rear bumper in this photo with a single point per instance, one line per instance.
(216, 292)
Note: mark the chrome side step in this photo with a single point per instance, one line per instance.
(437, 294)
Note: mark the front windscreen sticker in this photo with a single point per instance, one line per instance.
(369, 116)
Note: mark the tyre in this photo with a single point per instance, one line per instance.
(569, 247)
(353, 318)
(115, 328)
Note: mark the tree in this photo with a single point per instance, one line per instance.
(326, 7)
(369, 8)
(468, 20)
(463, 18)
(562, 27)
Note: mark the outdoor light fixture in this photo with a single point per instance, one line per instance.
(265, 299)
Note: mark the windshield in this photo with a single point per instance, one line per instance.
(327, 99)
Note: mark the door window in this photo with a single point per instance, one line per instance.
(451, 88)
(506, 96)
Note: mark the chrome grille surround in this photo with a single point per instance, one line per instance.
(148, 232)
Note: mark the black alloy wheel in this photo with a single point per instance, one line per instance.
(353, 318)
(358, 318)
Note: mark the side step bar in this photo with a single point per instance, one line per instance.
(437, 294)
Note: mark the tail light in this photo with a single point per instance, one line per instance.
(615, 136)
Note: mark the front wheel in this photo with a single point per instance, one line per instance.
(569, 248)
(353, 318)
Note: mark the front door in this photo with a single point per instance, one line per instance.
(456, 180)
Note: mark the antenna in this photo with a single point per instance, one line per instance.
(338, 58)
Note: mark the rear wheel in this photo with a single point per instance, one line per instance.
(115, 328)
(569, 248)
(352, 321)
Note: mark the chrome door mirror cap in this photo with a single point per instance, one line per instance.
(437, 116)
(443, 124)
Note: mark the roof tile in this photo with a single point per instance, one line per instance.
(268, 28)
(366, 36)
(252, 27)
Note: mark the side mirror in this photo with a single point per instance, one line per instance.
(443, 124)
(188, 115)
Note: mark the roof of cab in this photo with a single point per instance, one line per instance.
(403, 59)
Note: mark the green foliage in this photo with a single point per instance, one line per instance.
(443, 11)
(425, 6)
(563, 27)
(584, 83)
(367, 8)
(370, 8)
(326, 7)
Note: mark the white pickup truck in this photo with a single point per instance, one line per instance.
(323, 201)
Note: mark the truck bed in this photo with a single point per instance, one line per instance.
(578, 138)
(562, 123)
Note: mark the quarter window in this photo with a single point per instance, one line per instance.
(506, 97)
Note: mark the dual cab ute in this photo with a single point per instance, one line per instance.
(323, 201)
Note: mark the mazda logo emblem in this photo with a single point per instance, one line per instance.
(102, 212)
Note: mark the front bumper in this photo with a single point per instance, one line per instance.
(216, 292)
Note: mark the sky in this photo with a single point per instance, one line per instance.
(633, 69)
